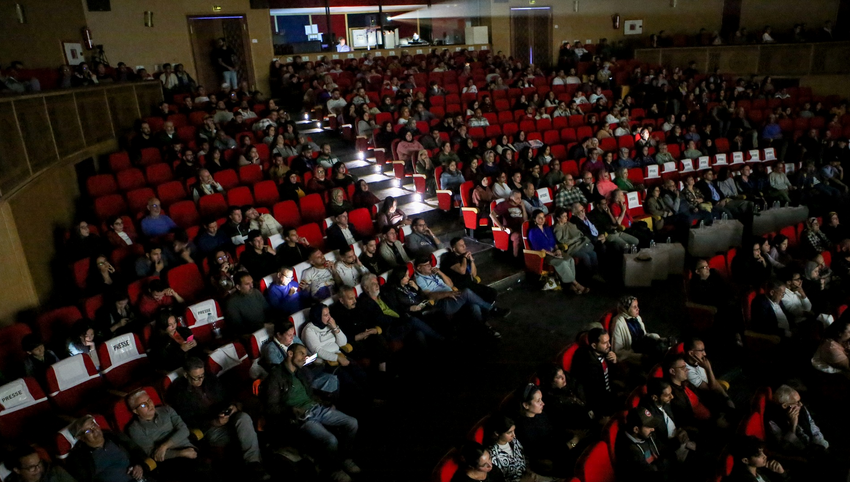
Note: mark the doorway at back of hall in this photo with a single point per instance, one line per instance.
(204, 31)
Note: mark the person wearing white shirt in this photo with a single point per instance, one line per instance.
(580, 98)
(562, 110)
(348, 268)
(595, 96)
(573, 78)
(766, 37)
(795, 301)
(700, 373)
(560, 79)
(320, 277)
(336, 103)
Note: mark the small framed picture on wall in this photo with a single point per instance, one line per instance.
(73, 53)
(633, 27)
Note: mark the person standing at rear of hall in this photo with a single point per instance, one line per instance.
(224, 61)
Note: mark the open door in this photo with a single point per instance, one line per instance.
(204, 31)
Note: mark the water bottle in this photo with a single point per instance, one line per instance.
(775, 204)
(756, 209)
(627, 249)
(216, 328)
(724, 217)
(651, 243)
(634, 249)
(669, 240)
(702, 223)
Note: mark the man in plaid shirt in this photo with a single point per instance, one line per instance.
(569, 193)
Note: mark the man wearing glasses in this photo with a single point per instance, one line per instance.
(155, 223)
(422, 240)
(162, 435)
(201, 401)
(102, 456)
(27, 466)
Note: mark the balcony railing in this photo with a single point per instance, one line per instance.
(791, 60)
(40, 130)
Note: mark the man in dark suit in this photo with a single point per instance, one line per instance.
(592, 368)
(341, 233)
(767, 313)
(734, 208)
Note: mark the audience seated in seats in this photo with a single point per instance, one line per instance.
(152, 263)
(293, 250)
(337, 203)
(264, 222)
(326, 157)
(170, 343)
(452, 178)
(602, 226)
(319, 183)
(320, 278)
(104, 456)
(363, 198)
(102, 276)
(273, 353)
(688, 414)
(794, 437)
(27, 465)
(566, 404)
(82, 341)
(476, 463)
(751, 463)
(348, 267)
(370, 258)
(258, 258)
(285, 295)
(629, 338)
(422, 241)
(542, 238)
(117, 237)
(202, 402)
(222, 272)
(768, 313)
(211, 238)
(592, 369)
(290, 188)
(506, 451)
(831, 356)
(364, 334)
(749, 267)
(117, 316)
(390, 215)
(701, 376)
(341, 234)
(163, 436)
(673, 440)
(511, 214)
(779, 252)
(638, 457)
(795, 301)
(82, 243)
(180, 250)
(156, 296)
(38, 359)
(834, 230)
(462, 271)
(234, 228)
(438, 288)
(813, 241)
(550, 451)
(155, 223)
(246, 310)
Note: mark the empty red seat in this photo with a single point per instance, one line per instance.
(551, 137)
(187, 281)
(594, 465)
(23, 409)
(510, 128)
(118, 161)
(137, 200)
(287, 214)
(227, 178)
(312, 208)
(266, 193)
(122, 360)
(186, 134)
(568, 135)
(170, 192)
(212, 205)
(11, 351)
(101, 185)
(231, 362)
(239, 196)
(250, 175)
(57, 323)
(108, 206)
(150, 155)
(584, 131)
(158, 174)
(361, 219)
(567, 355)
(73, 382)
(184, 214)
(313, 234)
(130, 179)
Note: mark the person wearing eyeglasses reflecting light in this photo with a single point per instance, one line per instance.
(27, 466)
(155, 223)
(103, 456)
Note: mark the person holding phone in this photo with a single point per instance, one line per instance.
(172, 343)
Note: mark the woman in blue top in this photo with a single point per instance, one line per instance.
(451, 179)
(541, 238)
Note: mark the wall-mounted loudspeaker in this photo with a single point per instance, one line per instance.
(99, 5)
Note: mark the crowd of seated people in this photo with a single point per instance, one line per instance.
(260, 266)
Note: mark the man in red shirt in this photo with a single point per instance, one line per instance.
(511, 214)
(158, 295)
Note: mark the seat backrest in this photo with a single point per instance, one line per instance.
(754, 425)
(203, 318)
(65, 441)
(609, 435)
(287, 214)
(567, 356)
(312, 208)
(230, 357)
(361, 219)
(187, 281)
(121, 358)
(446, 468)
(71, 382)
(11, 351)
(594, 465)
(57, 323)
(101, 185)
(22, 402)
(258, 339)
